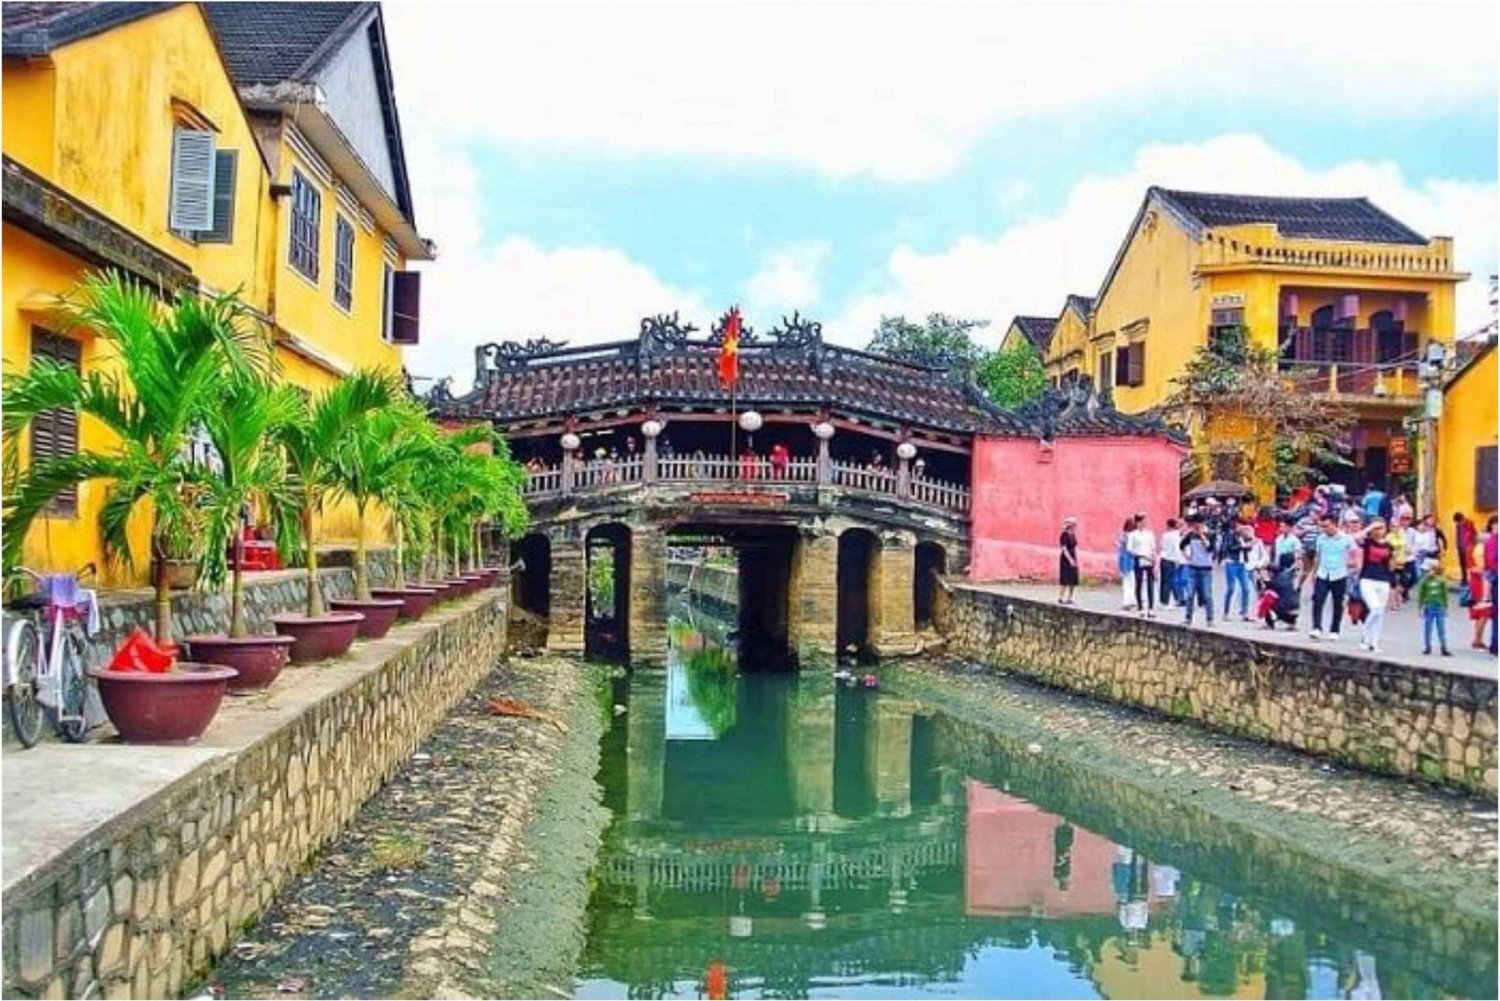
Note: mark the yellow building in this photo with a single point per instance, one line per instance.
(143, 137)
(1467, 441)
(1347, 295)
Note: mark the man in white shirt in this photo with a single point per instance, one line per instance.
(1141, 545)
(1171, 560)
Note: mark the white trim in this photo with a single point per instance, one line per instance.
(299, 346)
(308, 155)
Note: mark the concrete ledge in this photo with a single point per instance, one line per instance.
(126, 869)
(1387, 718)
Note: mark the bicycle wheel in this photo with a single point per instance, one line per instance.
(24, 647)
(72, 689)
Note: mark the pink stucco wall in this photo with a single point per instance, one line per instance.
(1023, 490)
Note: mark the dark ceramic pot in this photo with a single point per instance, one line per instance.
(171, 708)
(414, 600)
(258, 659)
(475, 583)
(318, 639)
(457, 588)
(379, 613)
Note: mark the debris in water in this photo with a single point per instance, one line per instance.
(292, 985)
(516, 707)
(1033, 748)
(619, 710)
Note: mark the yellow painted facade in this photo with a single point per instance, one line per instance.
(1467, 426)
(95, 118)
(1172, 274)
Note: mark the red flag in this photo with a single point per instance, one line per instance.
(729, 351)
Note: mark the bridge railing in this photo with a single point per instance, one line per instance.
(602, 475)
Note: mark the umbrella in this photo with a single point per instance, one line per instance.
(1218, 488)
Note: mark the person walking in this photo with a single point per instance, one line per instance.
(1287, 548)
(1067, 561)
(1330, 576)
(1198, 554)
(1125, 563)
(781, 460)
(1491, 568)
(1376, 576)
(1432, 598)
(1464, 537)
(1171, 562)
(1142, 545)
(1236, 550)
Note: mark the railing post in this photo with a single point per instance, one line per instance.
(648, 462)
(825, 467)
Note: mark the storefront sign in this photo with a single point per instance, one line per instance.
(1400, 456)
(740, 498)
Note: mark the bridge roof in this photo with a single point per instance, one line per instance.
(789, 368)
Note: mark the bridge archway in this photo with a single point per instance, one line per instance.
(930, 563)
(858, 566)
(606, 621)
(531, 582)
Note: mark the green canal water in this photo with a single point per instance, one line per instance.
(778, 836)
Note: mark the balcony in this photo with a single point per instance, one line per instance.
(1361, 365)
(1432, 261)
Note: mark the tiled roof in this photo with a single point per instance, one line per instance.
(1083, 303)
(33, 29)
(275, 42)
(1078, 411)
(1346, 219)
(1037, 330)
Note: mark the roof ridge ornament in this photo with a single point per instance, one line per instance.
(797, 333)
(716, 334)
(665, 333)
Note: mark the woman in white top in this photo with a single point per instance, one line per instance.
(1141, 544)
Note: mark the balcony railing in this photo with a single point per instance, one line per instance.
(603, 475)
(1396, 381)
(1434, 259)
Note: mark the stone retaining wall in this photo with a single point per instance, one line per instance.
(1382, 717)
(142, 905)
(719, 586)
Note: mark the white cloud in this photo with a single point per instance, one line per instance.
(901, 92)
(788, 279)
(1031, 266)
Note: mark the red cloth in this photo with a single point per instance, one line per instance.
(729, 351)
(140, 653)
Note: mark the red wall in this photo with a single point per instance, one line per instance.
(1023, 490)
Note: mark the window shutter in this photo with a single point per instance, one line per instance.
(1484, 478)
(406, 303)
(226, 167)
(55, 432)
(192, 203)
(1137, 357)
(1122, 366)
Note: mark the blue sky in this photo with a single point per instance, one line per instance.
(608, 166)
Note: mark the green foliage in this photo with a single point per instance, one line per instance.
(1012, 376)
(601, 578)
(713, 685)
(942, 342)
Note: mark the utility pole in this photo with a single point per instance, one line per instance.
(1430, 373)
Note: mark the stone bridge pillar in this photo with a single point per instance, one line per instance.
(648, 596)
(566, 593)
(813, 602)
(893, 629)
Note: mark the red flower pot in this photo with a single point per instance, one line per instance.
(317, 639)
(414, 600)
(170, 708)
(258, 659)
(457, 588)
(379, 613)
(475, 582)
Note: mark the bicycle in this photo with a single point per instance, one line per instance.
(44, 671)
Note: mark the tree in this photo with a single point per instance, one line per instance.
(942, 342)
(1233, 391)
(1012, 376)
(172, 363)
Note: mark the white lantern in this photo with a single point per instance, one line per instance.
(906, 450)
(750, 421)
(569, 441)
(822, 430)
(651, 428)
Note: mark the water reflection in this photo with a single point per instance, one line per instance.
(775, 836)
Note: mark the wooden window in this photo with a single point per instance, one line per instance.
(1135, 372)
(226, 169)
(1106, 370)
(307, 207)
(406, 306)
(343, 262)
(55, 432)
(1484, 477)
(1227, 466)
(191, 205)
(388, 279)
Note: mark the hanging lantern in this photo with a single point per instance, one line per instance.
(651, 428)
(906, 450)
(822, 430)
(751, 421)
(570, 442)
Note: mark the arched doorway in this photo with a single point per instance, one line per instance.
(858, 550)
(606, 608)
(531, 578)
(931, 563)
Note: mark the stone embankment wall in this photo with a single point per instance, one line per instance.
(1387, 718)
(141, 906)
(719, 586)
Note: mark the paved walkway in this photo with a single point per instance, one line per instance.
(1400, 644)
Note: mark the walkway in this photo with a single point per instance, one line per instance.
(1401, 643)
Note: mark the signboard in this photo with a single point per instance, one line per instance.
(1400, 456)
(1229, 300)
(742, 498)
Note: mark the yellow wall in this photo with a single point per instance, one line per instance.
(1069, 349)
(1469, 421)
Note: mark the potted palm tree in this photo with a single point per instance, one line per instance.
(169, 363)
(311, 441)
(251, 471)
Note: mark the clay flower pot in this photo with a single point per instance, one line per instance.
(379, 613)
(414, 600)
(318, 639)
(457, 587)
(170, 708)
(258, 659)
(474, 582)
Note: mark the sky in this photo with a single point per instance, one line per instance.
(581, 166)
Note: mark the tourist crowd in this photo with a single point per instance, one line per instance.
(1359, 560)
